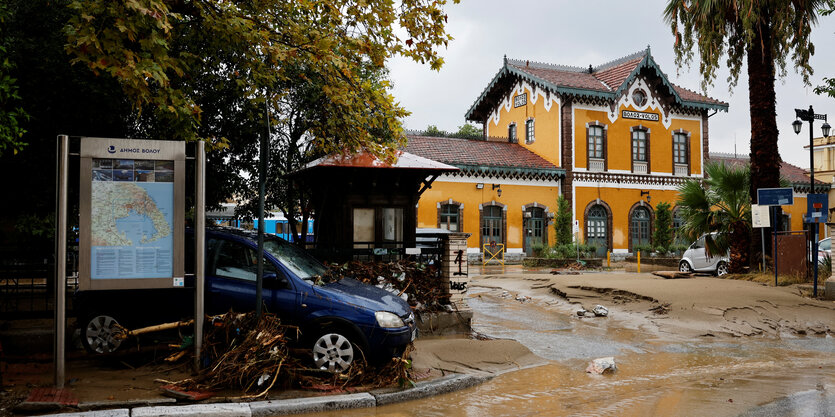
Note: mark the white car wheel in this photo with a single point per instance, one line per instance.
(684, 266)
(100, 334)
(333, 352)
(721, 269)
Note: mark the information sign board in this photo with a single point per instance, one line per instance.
(775, 196)
(131, 214)
(759, 216)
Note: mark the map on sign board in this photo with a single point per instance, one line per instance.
(132, 219)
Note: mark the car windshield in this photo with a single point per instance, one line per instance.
(295, 259)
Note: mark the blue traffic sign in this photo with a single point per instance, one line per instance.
(817, 210)
(775, 196)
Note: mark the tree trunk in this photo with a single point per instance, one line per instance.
(740, 244)
(765, 156)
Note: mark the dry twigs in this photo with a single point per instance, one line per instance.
(421, 282)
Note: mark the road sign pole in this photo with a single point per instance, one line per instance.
(762, 241)
(815, 258)
(774, 231)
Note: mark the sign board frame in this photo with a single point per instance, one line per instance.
(760, 216)
(818, 214)
(130, 149)
(775, 196)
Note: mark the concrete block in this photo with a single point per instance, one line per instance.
(829, 289)
(195, 410)
(119, 412)
(311, 405)
(438, 386)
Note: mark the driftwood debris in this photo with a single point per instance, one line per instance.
(673, 274)
(125, 333)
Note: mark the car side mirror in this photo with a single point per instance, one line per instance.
(271, 280)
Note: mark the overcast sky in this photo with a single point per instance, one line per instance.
(579, 33)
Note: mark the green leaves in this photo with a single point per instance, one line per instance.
(160, 52)
(11, 110)
(709, 26)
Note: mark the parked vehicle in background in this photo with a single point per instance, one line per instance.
(824, 250)
(695, 259)
(340, 321)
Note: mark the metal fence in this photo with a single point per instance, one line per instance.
(27, 284)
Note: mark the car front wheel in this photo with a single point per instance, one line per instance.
(333, 352)
(99, 334)
(684, 266)
(721, 269)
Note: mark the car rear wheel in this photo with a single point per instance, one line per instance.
(721, 269)
(99, 334)
(684, 266)
(333, 351)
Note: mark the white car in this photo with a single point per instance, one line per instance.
(695, 259)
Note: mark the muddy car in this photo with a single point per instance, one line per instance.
(340, 320)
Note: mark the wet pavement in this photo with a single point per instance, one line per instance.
(789, 376)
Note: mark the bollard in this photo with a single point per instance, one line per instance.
(608, 259)
(639, 262)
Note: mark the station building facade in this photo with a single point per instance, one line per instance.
(615, 140)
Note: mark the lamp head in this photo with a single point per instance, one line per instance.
(796, 125)
(825, 129)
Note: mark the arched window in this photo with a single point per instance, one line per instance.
(449, 217)
(535, 228)
(640, 226)
(597, 233)
(678, 222)
(511, 133)
(529, 131)
(596, 147)
(640, 150)
(492, 224)
(681, 153)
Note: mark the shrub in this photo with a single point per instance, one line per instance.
(562, 225)
(662, 237)
(645, 249)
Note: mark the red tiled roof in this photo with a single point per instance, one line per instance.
(616, 75)
(607, 77)
(792, 173)
(456, 151)
(405, 160)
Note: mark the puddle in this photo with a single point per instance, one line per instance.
(724, 377)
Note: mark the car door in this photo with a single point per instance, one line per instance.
(231, 281)
(698, 254)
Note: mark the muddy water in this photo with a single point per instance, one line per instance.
(699, 377)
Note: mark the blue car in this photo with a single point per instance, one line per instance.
(336, 319)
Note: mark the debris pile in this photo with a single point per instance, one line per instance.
(419, 284)
(254, 356)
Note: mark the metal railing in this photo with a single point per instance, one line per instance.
(27, 285)
(492, 251)
(596, 165)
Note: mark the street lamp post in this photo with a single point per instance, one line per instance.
(810, 116)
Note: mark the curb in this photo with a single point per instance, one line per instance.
(443, 385)
(438, 386)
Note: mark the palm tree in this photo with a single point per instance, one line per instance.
(766, 33)
(719, 207)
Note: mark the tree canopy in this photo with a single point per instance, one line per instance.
(716, 28)
(159, 52)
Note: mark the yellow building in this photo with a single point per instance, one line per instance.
(824, 158)
(619, 139)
